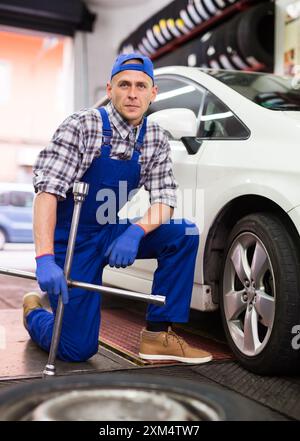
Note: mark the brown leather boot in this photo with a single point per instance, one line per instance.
(31, 301)
(169, 346)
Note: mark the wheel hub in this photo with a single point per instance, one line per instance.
(250, 294)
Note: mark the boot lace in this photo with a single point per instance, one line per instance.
(180, 340)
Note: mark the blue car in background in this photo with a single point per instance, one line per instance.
(15, 213)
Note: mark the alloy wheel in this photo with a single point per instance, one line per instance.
(249, 294)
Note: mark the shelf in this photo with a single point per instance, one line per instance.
(203, 27)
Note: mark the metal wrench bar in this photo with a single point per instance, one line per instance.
(148, 298)
(80, 190)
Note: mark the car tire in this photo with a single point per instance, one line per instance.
(2, 239)
(218, 49)
(255, 24)
(210, 401)
(259, 313)
(231, 43)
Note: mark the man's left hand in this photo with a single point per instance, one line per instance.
(123, 250)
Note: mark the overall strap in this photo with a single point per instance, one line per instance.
(106, 132)
(139, 142)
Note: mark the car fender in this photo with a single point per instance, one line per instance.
(214, 204)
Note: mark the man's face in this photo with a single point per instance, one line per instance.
(131, 92)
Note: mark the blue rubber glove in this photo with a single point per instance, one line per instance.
(123, 250)
(51, 277)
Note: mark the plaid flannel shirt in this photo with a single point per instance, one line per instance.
(77, 140)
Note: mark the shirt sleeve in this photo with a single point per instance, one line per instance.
(56, 165)
(160, 181)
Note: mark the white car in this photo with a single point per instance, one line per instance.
(236, 153)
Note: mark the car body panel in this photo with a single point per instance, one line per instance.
(267, 165)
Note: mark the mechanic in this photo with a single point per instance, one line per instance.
(108, 147)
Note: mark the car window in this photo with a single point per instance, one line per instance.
(267, 90)
(21, 198)
(217, 121)
(4, 198)
(174, 93)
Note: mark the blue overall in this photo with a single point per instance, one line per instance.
(174, 250)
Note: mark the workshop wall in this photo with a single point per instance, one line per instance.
(95, 52)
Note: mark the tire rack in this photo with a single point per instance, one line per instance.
(200, 29)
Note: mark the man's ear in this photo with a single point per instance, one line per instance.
(154, 93)
(108, 90)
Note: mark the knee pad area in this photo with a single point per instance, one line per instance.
(78, 354)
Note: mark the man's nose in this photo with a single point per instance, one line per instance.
(132, 92)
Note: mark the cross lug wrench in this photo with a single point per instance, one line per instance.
(80, 190)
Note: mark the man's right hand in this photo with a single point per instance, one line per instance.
(51, 277)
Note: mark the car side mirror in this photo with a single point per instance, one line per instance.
(178, 123)
(192, 144)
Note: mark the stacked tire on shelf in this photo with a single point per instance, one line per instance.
(175, 20)
(244, 41)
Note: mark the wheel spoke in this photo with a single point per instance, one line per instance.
(236, 333)
(265, 306)
(234, 304)
(259, 264)
(240, 263)
(251, 340)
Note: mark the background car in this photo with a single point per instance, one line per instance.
(15, 213)
(235, 147)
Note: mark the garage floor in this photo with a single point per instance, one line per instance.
(21, 361)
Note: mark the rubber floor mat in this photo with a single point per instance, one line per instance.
(120, 332)
(281, 394)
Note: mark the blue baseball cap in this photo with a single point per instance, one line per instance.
(146, 65)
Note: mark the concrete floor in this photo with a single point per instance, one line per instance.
(22, 361)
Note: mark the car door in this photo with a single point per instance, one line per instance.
(173, 92)
(223, 136)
